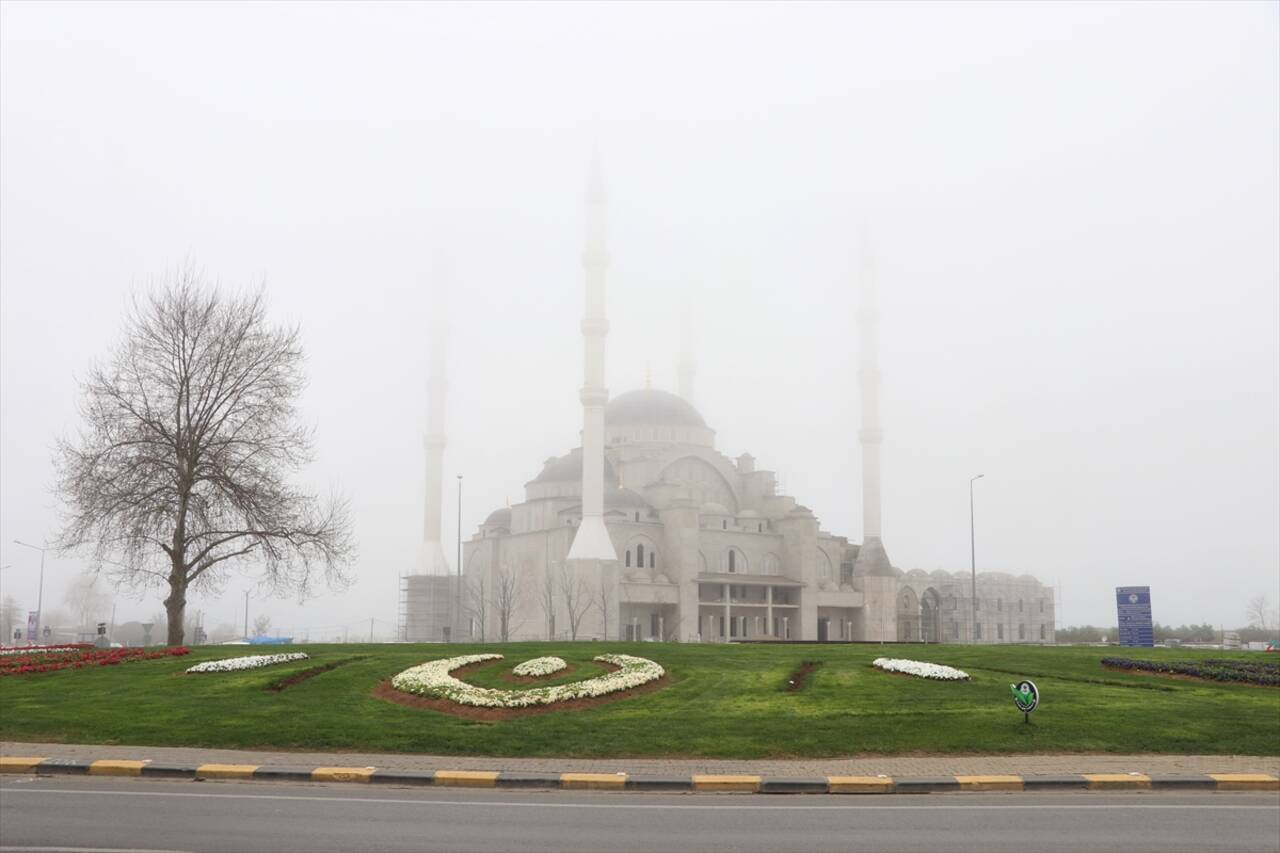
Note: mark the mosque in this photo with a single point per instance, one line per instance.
(648, 532)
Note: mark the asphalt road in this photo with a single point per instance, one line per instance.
(69, 813)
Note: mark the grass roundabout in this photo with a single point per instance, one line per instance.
(714, 701)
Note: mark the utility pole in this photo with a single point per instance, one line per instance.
(246, 614)
(371, 629)
(973, 570)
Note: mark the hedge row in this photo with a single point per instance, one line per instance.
(1264, 674)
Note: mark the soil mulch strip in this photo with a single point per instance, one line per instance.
(386, 692)
(297, 677)
(800, 679)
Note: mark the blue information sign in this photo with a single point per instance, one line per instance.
(1133, 606)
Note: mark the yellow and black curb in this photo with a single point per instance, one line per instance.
(632, 782)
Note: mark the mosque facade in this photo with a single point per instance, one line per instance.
(708, 550)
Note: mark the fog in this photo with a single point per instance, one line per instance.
(1073, 211)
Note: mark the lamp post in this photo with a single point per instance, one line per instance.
(973, 571)
(457, 591)
(40, 594)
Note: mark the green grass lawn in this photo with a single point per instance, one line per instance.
(723, 701)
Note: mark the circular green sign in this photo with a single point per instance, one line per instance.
(1025, 695)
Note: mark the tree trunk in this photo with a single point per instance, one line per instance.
(175, 608)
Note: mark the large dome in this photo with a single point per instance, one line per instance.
(650, 406)
(568, 468)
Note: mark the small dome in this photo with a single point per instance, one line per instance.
(940, 575)
(650, 406)
(917, 573)
(499, 518)
(568, 468)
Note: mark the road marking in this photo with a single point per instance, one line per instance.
(843, 803)
(64, 849)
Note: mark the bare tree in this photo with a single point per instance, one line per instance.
(261, 625)
(189, 436)
(547, 601)
(1257, 612)
(575, 595)
(11, 618)
(602, 599)
(86, 600)
(476, 592)
(506, 598)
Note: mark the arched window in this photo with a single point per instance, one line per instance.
(724, 525)
(733, 566)
(628, 561)
(1000, 605)
(760, 527)
(637, 516)
(1019, 605)
(1042, 632)
(640, 556)
(653, 559)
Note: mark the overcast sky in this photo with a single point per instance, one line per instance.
(1074, 211)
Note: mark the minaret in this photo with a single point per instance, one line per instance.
(591, 542)
(872, 559)
(686, 368)
(432, 560)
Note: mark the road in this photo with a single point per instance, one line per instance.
(144, 815)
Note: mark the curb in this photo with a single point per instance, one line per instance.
(626, 782)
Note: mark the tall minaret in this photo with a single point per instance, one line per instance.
(432, 560)
(591, 542)
(687, 367)
(872, 559)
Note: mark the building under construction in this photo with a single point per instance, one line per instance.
(427, 607)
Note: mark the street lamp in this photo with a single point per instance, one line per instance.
(40, 594)
(973, 571)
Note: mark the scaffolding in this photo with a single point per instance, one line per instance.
(426, 612)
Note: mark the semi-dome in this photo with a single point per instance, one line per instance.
(568, 468)
(624, 497)
(649, 406)
(499, 518)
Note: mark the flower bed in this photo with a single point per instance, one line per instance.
(921, 669)
(539, 667)
(433, 679)
(52, 660)
(1261, 673)
(246, 662)
(39, 650)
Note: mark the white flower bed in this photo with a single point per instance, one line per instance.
(39, 650)
(921, 669)
(539, 667)
(433, 679)
(249, 662)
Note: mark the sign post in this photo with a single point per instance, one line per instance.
(1027, 697)
(1133, 610)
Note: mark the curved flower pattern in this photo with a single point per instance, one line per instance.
(539, 667)
(247, 662)
(921, 669)
(433, 679)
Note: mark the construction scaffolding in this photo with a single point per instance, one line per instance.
(426, 612)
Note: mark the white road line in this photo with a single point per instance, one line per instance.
(489, 804)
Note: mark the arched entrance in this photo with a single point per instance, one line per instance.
(931, 616)
(908, 617)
